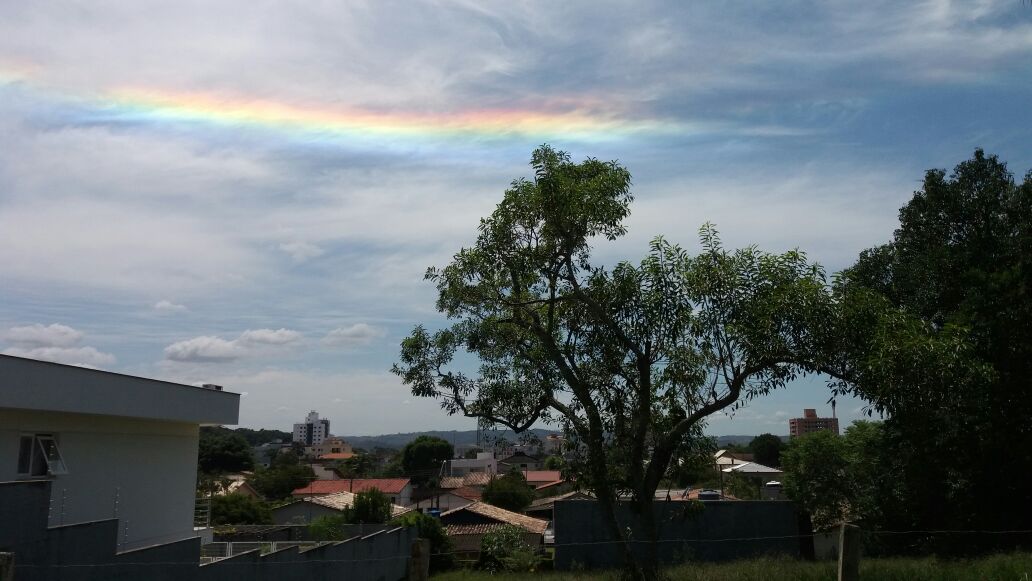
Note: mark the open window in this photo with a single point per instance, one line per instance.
(39, 455)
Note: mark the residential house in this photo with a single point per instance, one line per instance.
(542, 478)
(111, 446)
(306, 509)
(477, 480)
(399, 490)
(484, 462)
(518, 461)
(331, 445)
(444, 500)
(542, 508)
(466, 526)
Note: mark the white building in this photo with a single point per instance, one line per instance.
(111, 445)
(484, 462)
(313, 431)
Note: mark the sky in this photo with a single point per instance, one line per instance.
(248, 193)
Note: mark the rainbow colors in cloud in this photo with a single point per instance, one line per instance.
(587, 123)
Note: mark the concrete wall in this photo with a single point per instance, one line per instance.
(723, 530)
(142, 472)
(86, 551)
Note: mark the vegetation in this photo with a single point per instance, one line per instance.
(422, 458)
(961, 262)
(358, 466)
(431, 529)
(283, 476)
(1013, 566)
(239, 509)
(505, 550)
(631, 360)
(223, 451)
(370, 507)
(510, 492)
(766, 449)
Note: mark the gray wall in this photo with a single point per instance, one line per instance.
(86, 551)
(142, 472)
(704, 536)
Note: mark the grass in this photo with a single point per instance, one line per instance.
(1009, 567)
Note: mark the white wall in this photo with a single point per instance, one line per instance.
(149, 467)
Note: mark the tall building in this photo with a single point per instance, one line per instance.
(313, 431)
(811, 423)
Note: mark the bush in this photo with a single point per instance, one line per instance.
(509, 492)
(370, 507)
(430, 528)
(505, 550)
(239, 509)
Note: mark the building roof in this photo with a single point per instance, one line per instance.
(529, 523)
(542, 476)
(342, 500)
(471, 479)
(44, 386)
(467, 493)
(548, 502)
(517, 457)
(323, 487)
(337, 456)
(475, 529)
(752, 468)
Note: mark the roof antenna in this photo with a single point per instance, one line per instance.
(832, 408)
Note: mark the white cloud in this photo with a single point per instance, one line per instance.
(354, 335)
(81, 356)
(301, 251)
(169, 307)
(37, 335)
(210, 349)
(55, 342)
(268, 337)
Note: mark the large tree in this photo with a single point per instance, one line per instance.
(961, 263)
(629, 360)
(422, 458)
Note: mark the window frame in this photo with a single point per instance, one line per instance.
(44, 456)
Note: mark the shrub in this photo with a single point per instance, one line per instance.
(233, 509)
(430, 528)
(505, 549)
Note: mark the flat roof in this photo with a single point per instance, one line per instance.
(30, 384)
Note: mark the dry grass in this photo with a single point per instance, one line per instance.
(1011, 567)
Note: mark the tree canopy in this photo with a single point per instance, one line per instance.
(421, 458)
(510, 492)
(223, 451)
(766, 449)
(961, 265)
(630, 360)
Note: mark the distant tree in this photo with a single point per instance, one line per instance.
(233, 509)
(223, 452)
(370, 507)
(471, 454)
(816, 476)
(430, 528)
(554, 463)
(358, 466)
(282, 477)
(510, 492)
(421, 458)
(766, 449)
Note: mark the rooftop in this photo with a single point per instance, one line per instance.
(29, 384)
(342, 500)
(323, 487)
(531, 524)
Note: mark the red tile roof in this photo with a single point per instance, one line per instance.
(468, 493)
(529, 523)
(337, 456)
(384, 485)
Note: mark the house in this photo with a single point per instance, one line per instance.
(541, 478)
(467, 526)
(238, 485)
(399, 490)
(330, 445)
(477, 480)
(111, 446)
(519, 461)
(542, 507)
(725, 458)
(484, 462)
(309, 508)
(444, 500)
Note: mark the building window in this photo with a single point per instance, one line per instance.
(39, 455)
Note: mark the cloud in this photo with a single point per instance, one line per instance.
(353, 336)
(169, 307)
(301, 251)
(55, 342)
(53, 335)
(210, 349)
